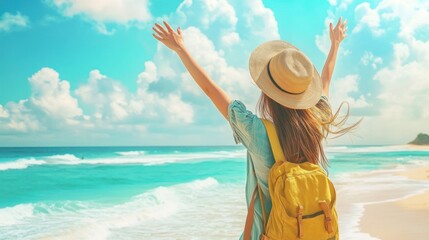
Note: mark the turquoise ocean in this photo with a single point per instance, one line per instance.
(167, 192)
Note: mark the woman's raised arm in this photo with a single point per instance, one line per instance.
(336, 35)
(174, 41)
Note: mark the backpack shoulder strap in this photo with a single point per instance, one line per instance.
(279, 157)
(274, 141)
(249, 219)
(251, 210)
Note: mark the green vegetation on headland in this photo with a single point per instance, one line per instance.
(421, 139)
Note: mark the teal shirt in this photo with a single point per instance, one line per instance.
(249, 130)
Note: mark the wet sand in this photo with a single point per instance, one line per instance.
(407, 218)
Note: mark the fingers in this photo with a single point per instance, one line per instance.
(165, 34)
(344, 26)
(331, 27)
(170, 29)
(157, 37)
(339, 21)
(160, 28)
(158, 32)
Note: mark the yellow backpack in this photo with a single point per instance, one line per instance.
(303, 200)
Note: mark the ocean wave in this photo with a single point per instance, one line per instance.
(63, 157)
(201, 184)
(16, 214)
(132, 153)
(20, 164)
(151, 210)
(131, 157)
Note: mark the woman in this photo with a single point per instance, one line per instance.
(293, 96)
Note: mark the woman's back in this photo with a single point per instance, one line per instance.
(249, 130)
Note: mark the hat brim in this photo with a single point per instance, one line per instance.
(258, 64)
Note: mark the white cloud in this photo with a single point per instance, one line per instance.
(369, 58)
(148, 76)
(102, 28)
(323, 41)
(260, 20)
(20, 118)
(109, 106)
(369, 17)
(252, 17)
(230, 38)
(151, 104)
(332, 2)
(208, 12)
(404, 87)
(52, 95)
(113, 103)
(224, 27)
(344, 4)
(50, 106)
(233, 80)
(218, 10)
(108, 97)
(412, 15)
(3, 112)
(341, 4)
(178, 111)
(123, 12)
(9, 21)
(343, 88)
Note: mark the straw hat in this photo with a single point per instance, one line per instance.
(285, 74)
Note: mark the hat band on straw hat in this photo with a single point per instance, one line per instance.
(274, 81)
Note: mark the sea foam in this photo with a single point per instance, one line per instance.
(20, 164)
(16, 214)
(132, 153)
(355, 190)
(148, 212)
(131, 157)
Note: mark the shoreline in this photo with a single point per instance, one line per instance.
(402, 218)
(415, 147)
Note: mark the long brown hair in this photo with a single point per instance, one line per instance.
(301, 131)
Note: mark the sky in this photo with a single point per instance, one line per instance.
(89, 73)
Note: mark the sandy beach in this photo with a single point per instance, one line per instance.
(415, 147)
(406, 218)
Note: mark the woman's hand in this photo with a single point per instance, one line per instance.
(174, 41)
(338, 33)
(169, 37)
